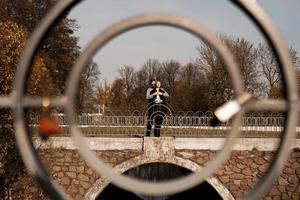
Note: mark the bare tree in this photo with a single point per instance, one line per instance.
(268, 64)
(91, 72)
(141, 79)
(191, 74)
(128, 77)
(246, 55)
(88, 84)
(210, 63)
(294, 56)
(270, 69)
(152, 69)
(170, 73)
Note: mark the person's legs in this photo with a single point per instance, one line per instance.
(156, 131)
(158, 122)
(149, 126)
(149, 121)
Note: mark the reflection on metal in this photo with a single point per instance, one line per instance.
(230, 108)
(18, 102)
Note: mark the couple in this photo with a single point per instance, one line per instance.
(156, 97)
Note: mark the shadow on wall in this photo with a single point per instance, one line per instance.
(160, 172)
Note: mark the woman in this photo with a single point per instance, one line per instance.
(159, 107)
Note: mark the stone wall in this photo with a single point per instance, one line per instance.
(244, 168)
(238, 174)
(69, 170)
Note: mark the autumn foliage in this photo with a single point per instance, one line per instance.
(49, 71)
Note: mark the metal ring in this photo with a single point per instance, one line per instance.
(259, 17)
(99, 166)
(27, 150)
(251, 9)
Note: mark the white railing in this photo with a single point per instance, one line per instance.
(188, 121)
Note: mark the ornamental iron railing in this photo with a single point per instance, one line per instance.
(181, 124)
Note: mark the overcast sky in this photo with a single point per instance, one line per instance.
(165, 43)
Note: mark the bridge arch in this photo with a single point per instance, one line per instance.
(100, 184)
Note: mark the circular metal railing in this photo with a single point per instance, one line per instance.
(18, 102)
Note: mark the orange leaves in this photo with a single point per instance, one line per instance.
(40, 81)
(12, 42)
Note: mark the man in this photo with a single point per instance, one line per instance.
(150, 96)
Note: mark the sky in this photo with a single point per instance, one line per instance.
(165, 43)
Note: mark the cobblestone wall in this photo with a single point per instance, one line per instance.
(70, 170)
(244, 168)
(238, 174)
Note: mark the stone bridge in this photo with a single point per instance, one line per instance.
(249, 160)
